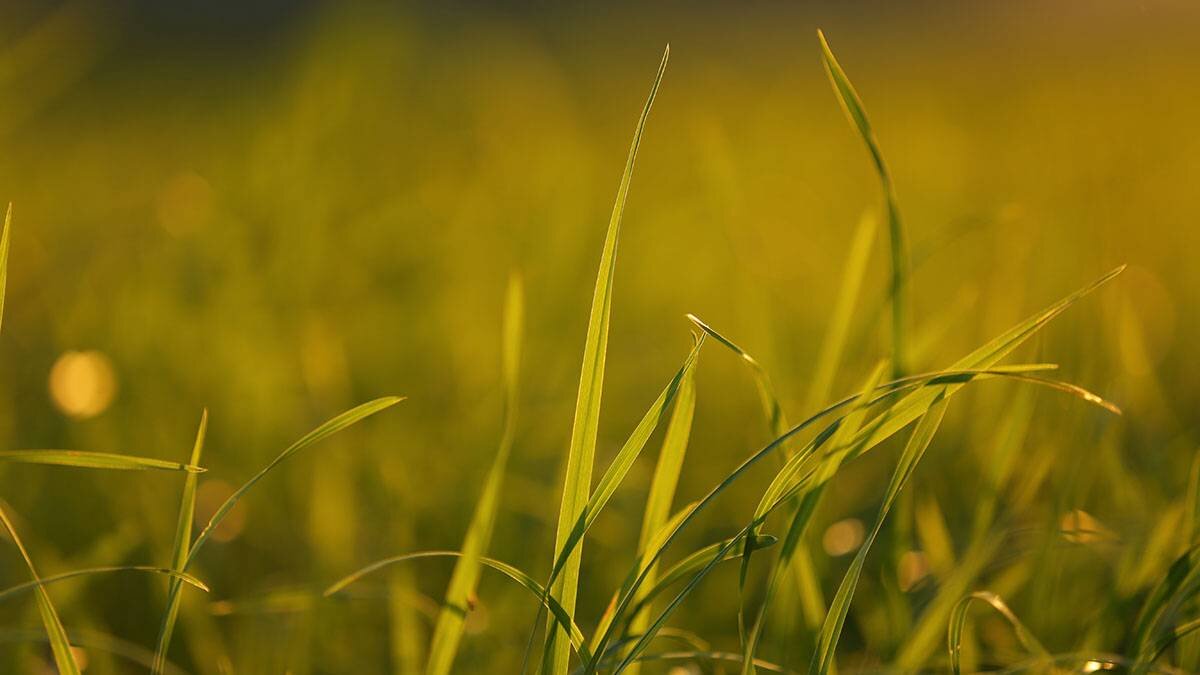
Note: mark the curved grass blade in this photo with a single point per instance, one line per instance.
(585, 427)
(4, 258)
(182, 577)
(60, 646)
(958, 621)
(914, 450)
(95, 460)
(1162, 606)
(561, 616)
(94, 641)
(338, 423)
(180, 550)
(448, 631)
(852, 105)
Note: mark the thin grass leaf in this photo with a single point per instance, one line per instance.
(60, 646)
(338, 423)
(180, 550)
(561, 617)
(1164, 603)
(93, 642)
(4, 259)
(852, 105)
(584, 428)
(95, 460)
(182, 577)
(914, 450)
(958, 621)
(664, 481)
(448, 632)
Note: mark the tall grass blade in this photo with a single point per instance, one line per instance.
(901, 264)
(180, 550)
(94, 460)
(581, 454)
(338, 423)
(60, 646)
(4, 258)
(831, 630)
(449, 629)
(958, 621)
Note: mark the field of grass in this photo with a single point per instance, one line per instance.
(464, 340)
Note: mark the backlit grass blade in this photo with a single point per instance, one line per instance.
(831, 630)
(666, 477)
(180, 550)
(322, 432)
(807, 506)
(4, 258)
(182, 577)
(556, 610)
(60, 646)
(581, 453)
(958, 621)
(449, 628)
(853, 107)
(762, 382)
(94, 460)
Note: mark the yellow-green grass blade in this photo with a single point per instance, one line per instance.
(4, 258)
(330, 427)
(958, 621)
(831, 630)
(1161, 607)
(918, 400)
(94, 460)
(560, 615)
(585, 427)
(180, 550)
(853, 107)
(176, 575)
(807, 506)
(664, 482)
(449, 629)
(60, 646)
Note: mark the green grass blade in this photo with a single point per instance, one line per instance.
(60, 646)
(836, 335)
(901, 264)
(561, 616)
(94, 460)
(448, 632)
(831, 630)
(958, 621)
(666, 477)
(176, 575)
(180, 550)
(581, 453)
(4, 258)
(338, 423)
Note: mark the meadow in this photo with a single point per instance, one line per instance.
(359, 340)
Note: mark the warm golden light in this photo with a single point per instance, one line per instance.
(82, 383)
(842, 537)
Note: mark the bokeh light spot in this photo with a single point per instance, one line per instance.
(82, 383)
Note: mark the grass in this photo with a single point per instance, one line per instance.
(658, 585)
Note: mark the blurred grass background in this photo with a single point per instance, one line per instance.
(278, 211)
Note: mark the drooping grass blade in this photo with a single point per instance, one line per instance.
(94, 460)
(581, 453)
(958, 620)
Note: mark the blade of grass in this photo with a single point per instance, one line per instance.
(94, 460)
(852, 105)
(4, 258)
(585, 427)
(180, 550)
(448, 632)
(60, 646)
(332, 426)
(176, 575)
(560, 615)
(958, 621)
(666, 478)
(914, 450)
